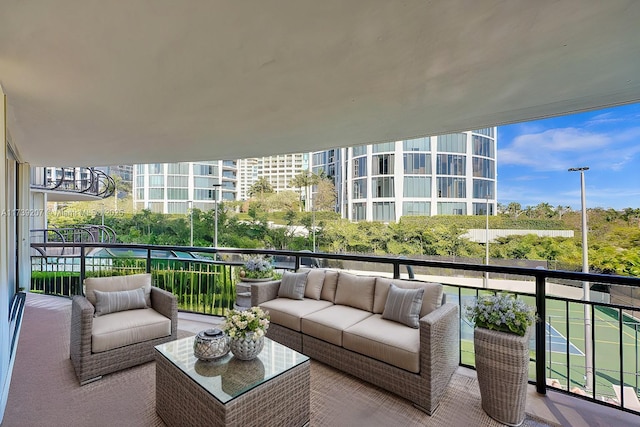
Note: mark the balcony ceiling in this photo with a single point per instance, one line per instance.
(98, 82)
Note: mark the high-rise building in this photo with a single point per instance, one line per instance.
(278, 170)
(176, 187)
(441, 175)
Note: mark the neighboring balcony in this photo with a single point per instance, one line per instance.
(72, 183)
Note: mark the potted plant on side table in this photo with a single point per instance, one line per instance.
(256, 268)
(501, 341)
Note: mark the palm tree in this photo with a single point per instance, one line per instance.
(260, 187)
(302, 180)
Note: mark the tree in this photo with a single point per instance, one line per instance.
(514, 209)
(261, 187)
(303, 180)
(282, 201)
(325, 197)
(561, 210)
(543, 210)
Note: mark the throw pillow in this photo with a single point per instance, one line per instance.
(403, 305)
(111, 302)
(292, 285)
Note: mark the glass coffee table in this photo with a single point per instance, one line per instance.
(272, 389)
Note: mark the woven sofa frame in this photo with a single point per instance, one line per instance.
(91, 366)
(439, 354)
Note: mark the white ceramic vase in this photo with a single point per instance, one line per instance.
(246, 348)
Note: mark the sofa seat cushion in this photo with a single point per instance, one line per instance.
(329, 323)
(123, 328)
(385, 340)
(287, 312)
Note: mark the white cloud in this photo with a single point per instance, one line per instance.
(561, 148)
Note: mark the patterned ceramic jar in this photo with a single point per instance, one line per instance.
(210, 344)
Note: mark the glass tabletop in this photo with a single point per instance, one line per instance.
(229, 377)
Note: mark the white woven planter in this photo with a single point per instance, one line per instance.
(246, 348)
(502, 365)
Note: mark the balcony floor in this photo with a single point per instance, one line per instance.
(45, 392)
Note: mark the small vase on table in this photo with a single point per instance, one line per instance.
(247, 347)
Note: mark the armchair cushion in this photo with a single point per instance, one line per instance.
(128, 327)
(111, 302)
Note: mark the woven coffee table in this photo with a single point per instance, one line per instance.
(271, 390)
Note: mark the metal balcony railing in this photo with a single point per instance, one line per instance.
(83, 180)
(204, 281)
(83, 233)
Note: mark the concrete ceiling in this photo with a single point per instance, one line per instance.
(97, 82)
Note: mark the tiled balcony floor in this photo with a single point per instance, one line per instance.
(555, 408)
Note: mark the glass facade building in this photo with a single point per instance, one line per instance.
(173, 188)
(451, 174)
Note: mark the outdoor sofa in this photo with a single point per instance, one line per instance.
(117, 324)
(384, 331)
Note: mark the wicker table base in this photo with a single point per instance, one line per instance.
(279, 401)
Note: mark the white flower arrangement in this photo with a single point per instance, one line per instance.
(239, 323)
(501, 312)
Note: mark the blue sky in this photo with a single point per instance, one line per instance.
(533, 158)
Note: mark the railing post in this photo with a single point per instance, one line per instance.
(396, 270)
(83, 265)
(148, 260)
(541, 384)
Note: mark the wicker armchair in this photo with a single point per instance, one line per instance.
(115, 340)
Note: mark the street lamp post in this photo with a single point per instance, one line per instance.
(215, 225)
(102, 223)
(585, 285)
(190, 204)
(486, 244)
(313, 221)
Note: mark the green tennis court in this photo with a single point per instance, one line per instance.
(615, 353)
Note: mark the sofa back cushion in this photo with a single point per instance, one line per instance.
(315, 279)
(293, 285)
(431, 300)
(328, 292)
(118, 283)
(355, 291)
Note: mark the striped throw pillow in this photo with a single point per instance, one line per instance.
(111, 302)
(403, 305)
